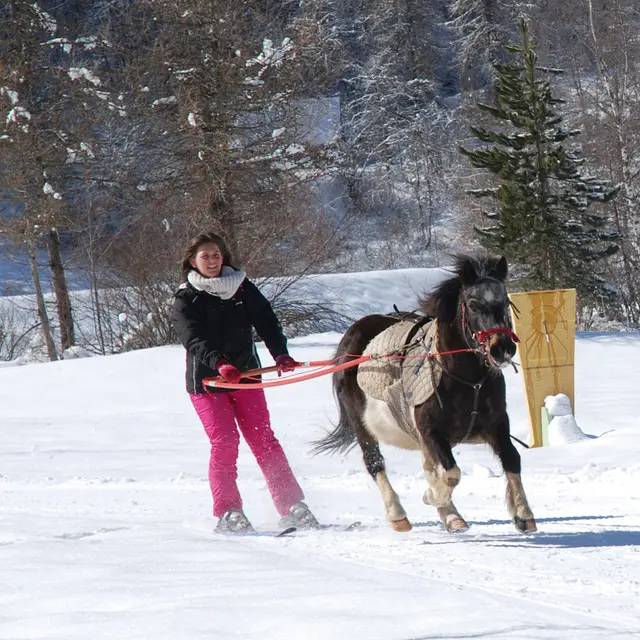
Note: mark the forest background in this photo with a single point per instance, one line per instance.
(319, 136)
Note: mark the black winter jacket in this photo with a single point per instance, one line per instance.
(213, 329)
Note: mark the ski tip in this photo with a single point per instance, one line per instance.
(287, 531)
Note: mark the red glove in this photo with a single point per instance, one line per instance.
(228, 371)
(286, 363)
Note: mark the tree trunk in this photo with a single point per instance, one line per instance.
(42, 309)
(63, 302)
(93, 286)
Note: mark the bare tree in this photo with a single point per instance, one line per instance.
(482, 29)
(395, 127)
(212, 115)
(604, 96)
(45, 125)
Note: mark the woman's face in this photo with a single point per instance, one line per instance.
(208, 260)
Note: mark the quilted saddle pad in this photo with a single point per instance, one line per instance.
(415, 378)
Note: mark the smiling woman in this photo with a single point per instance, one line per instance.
(215, 312)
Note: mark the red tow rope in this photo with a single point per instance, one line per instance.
(321, 368)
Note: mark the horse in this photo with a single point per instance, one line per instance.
(472, 341)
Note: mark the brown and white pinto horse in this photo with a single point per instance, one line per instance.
(473, 313)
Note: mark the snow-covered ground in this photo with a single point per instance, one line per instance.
(105, 526)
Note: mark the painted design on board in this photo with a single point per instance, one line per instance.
(551, 332)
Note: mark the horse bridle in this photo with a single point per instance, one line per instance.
(481, 337)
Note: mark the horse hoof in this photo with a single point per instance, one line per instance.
(456, 524)
(401, 525)
(525, 525)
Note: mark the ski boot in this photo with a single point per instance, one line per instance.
(299, 516)
(233, 521)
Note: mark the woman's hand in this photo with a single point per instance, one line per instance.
(286, 363)
(228, 371)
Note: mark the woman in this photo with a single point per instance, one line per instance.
(215, 310)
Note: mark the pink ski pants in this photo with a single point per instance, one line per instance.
(222, 414)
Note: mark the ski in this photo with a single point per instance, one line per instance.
(289, 531)
(259, 534)
(339, 527)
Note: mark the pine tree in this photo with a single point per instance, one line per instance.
(544, 220)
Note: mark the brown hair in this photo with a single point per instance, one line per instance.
(193, 247)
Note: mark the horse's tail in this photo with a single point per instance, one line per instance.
(348, 394)
(343, 436)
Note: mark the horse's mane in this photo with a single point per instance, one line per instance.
(442, 302)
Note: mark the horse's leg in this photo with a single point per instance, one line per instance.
(443, 475)
(374, 462)
(517, 503)
(352, 405)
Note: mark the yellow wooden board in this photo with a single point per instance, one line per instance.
(546, 327)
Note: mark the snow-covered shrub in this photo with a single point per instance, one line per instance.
(563, 428)
(75, 352)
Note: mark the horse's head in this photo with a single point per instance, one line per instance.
(484, 309)
(475, 301)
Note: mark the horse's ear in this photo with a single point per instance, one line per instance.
(468, 273)
(501, 269)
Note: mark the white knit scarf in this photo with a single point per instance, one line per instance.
(224, 286)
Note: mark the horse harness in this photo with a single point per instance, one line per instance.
(480, 337)
(477, 386)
